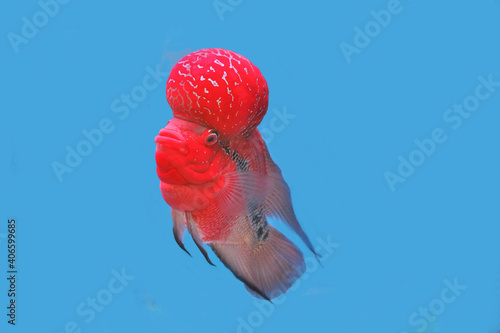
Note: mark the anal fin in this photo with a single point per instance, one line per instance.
(268, 267)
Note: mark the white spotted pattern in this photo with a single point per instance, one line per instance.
(215, 84)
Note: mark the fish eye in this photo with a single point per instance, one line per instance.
(211, 136)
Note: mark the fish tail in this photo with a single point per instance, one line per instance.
(268, 265)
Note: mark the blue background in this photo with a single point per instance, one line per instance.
(352, 122)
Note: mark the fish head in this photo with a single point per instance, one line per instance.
(219, 89)
(187, 153)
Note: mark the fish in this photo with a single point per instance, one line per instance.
(217, 175)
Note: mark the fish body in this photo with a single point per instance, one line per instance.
(217, 174)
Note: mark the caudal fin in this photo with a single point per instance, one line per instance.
(268, 267)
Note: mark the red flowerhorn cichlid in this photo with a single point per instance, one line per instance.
(217, 175)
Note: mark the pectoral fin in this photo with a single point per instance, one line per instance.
(241, 189)
(245, 190)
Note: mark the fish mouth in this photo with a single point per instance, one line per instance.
(171, 139)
